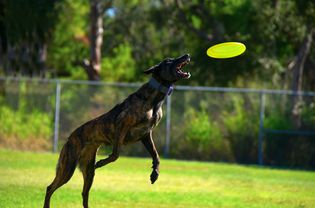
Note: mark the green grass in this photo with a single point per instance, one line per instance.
(125, 183)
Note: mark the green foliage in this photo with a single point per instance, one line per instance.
(26, 117)
(277, 121)
(278, 40)
(24, 125)
(241, 125)
(240, 119)
(75, 100)
(200, 130)
(203, 138)
(148, 31)
(119, 67)
(139, 28)
(308, 114)
(69, 44)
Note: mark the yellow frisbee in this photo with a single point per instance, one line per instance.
(226, 50)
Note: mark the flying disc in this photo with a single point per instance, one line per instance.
(226, 50)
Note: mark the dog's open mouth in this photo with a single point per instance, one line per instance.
(179, 70)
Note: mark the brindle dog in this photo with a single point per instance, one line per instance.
(130, 121)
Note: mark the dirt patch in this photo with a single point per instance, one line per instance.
(32, 144)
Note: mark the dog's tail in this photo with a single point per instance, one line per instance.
(68, 159)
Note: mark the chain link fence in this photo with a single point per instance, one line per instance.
(202, 123)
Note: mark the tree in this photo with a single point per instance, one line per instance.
(3, 41)
(305, 9)
(93, 66)
(70, 41)
(25, 36)
(297, 68)
(138, 26)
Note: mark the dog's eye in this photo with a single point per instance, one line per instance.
(167, 60)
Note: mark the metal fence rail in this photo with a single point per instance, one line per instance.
(75, 93)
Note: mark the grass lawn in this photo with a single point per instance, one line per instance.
(125, 183)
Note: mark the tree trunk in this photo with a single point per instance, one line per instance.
(2, 36)
(297, 77)
(42, 56)
(1, 55)
(93, 66)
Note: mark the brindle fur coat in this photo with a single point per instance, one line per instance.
(128, 122)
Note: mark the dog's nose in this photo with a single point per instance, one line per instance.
(187, 56)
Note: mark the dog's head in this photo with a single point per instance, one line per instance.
(170, 70)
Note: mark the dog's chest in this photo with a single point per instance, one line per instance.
(148, 120)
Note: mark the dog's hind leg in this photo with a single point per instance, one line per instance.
(87, 162)
(124, 124)
(115, 154)
(111, 158)
(66, 165)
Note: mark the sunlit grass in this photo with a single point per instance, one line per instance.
(125, 183)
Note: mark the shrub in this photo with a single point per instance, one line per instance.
(203, 138)
(241, 126)
(18, 127)
(120, 67)
(26, 116)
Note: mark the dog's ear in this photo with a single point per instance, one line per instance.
(150, 70)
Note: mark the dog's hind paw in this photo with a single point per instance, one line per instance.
(154, 176)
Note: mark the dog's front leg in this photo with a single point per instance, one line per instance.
(149, 145)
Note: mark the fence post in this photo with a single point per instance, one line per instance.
(168, 127)
(57, 112)
(261, 128)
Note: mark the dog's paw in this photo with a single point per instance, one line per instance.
(154, 175)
